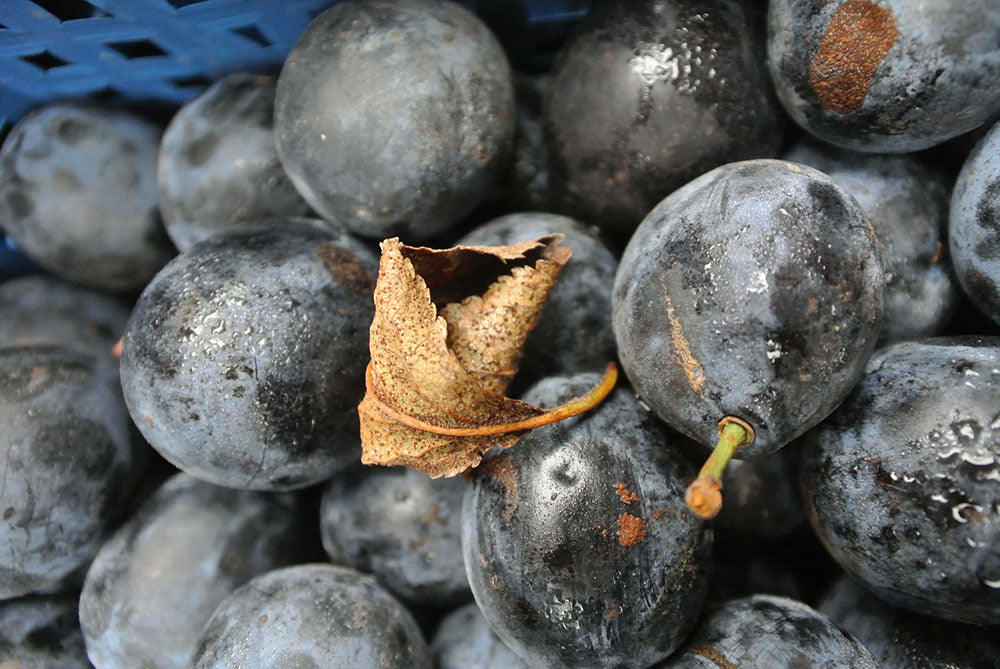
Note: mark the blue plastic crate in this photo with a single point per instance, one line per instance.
(138, 50)
(167, 51)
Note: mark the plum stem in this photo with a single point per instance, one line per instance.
(703, 496)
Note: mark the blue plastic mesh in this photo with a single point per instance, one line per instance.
(151, 50)
(167, 51)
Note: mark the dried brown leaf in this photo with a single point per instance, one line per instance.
(436, 381)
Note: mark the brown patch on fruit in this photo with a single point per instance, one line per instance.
(631, 530)
(625, 495)
(504, 470)
(858, 37)
(347, 269)
(712, 655)
(938, 254)
(692, 368)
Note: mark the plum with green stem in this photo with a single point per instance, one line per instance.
(745, 307)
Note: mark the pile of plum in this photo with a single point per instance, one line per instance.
(785, 225)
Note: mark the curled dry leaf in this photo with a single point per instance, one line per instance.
(436, 381)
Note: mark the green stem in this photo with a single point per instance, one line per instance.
(703, 496)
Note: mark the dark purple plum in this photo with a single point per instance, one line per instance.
(244, 359)
(907, 204)
(402, 527)
(762, 500)
(525, 184)
(78, 194)
(70, 464)
(394, 117)
(752, 296)
(218, 166)
(311, 615)
(531, 32)
(574, 332)
(886, 76)
(795, 565)
(742, 573)
(974, 225)
(41, 631)
(156, 582)
(464, 639)
(901, 640)
(578, 546)
(43, 310)
(768, 631)
(901, 481)
(648, 95)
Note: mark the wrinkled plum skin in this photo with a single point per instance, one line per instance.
(974, 225)
(70, 463)
(402, 527)
(547, 564)
(900, 482)
(42, 310)
(647, 96)
(218, 166)
(464, 639)
(768, 631)
(186, 549)
(898, 638)
(42, 631)
(244, 358)
(907, 204)
(574, 332)
(394, 117)
(905, 75)
(78, 194)
(311, 615)
(754, 291)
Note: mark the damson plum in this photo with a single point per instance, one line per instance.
(525, 185)
(901, 481)
(577, 544)
(907, 204)
(764, 498)
(78, 194)
(464, 640)
(751, 297)
(157, 581)
(311, 615)
(244, 359)
(574, 332)
(647, 96)
(401, 526)
(41, 631)
(766, 631)
(395, 116)
(43, 310)
(888, 75)
(218, 166)
(974, 225)
(70, 464)
(901, 640)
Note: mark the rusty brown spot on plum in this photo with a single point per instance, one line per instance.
(631, 530)
(857, 39)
